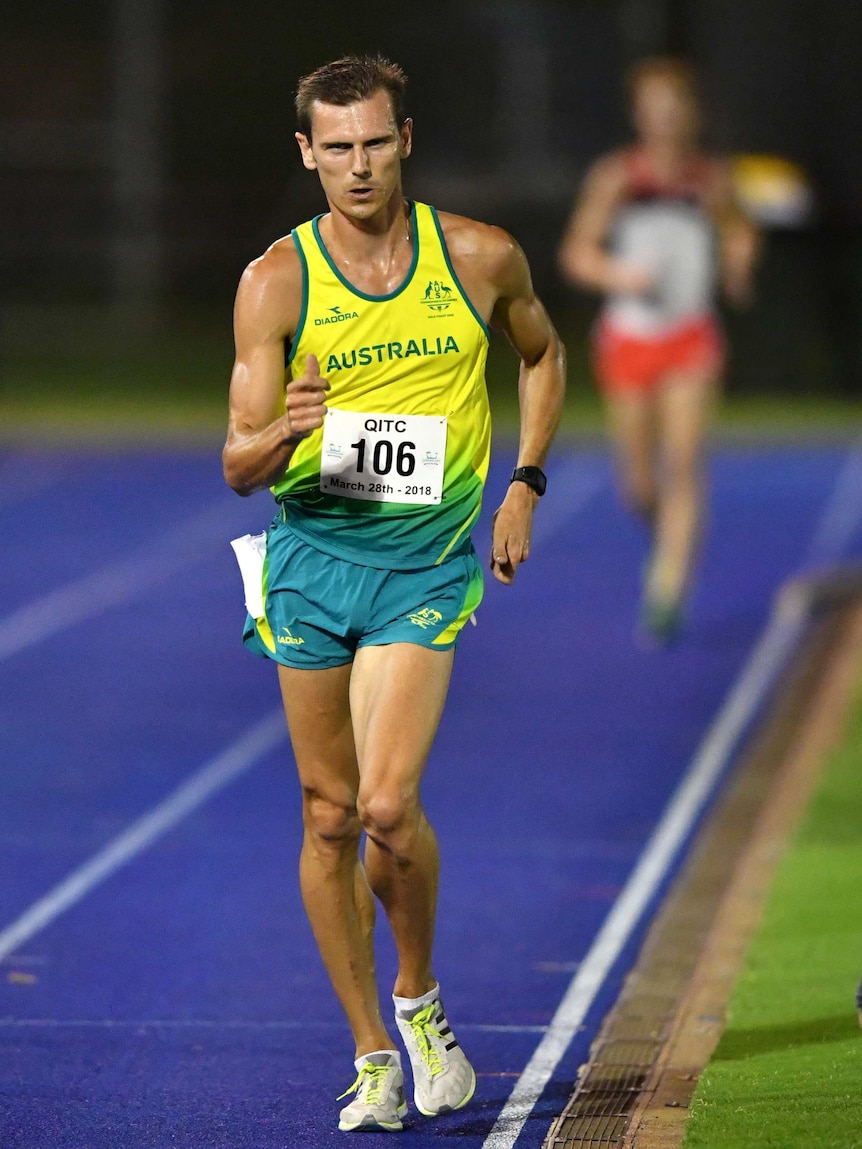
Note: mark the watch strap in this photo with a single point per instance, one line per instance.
(533, 476)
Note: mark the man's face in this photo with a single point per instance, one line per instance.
(357, 151)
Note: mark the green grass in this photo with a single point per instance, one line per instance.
(787, 1073)
(174, 391)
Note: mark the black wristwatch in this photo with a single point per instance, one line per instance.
(533, 476)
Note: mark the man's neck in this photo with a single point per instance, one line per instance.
(374, 238)
(373, 254)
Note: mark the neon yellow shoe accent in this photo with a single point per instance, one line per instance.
(379, 1103)
(423, 1029)
(443, 1078)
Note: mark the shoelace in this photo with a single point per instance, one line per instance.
(423, 1030)
(372, 1076)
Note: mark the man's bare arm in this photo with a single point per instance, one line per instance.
(267, 419)
(583, 258)
(520, 314)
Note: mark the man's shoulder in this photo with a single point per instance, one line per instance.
(471, 235)
(269, 297)
(280, 263)
(480, 244)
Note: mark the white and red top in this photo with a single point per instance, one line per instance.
(667, 229)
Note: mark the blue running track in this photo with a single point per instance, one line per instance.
(171, 993)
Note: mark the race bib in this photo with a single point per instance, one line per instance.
(383, 458)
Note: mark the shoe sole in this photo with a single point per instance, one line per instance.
(448, 1108)
(372, 1126)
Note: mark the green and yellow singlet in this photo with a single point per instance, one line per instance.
(394, 477)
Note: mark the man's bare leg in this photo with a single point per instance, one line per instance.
(397, 695)
(337, 899)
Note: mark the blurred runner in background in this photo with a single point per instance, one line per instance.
(656, 230)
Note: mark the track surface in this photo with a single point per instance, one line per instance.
(180, 1000)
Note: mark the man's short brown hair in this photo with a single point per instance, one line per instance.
(348, 80)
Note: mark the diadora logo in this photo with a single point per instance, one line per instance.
(438, 297)
(287, 639)
(336, 316)
(426, 617)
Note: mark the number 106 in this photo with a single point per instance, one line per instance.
(383, 456)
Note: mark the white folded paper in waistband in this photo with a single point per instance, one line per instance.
(250, 551)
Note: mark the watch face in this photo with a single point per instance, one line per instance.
(539, 481)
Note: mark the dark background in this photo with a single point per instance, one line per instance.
(146, 152)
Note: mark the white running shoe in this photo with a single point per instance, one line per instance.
(379, 1087)
(443, 1078)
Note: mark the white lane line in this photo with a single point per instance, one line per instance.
(691, 796)
(266, 734)
(843, 514)
(158, 560)
(686, 805)
(837, 524)
(118, 582)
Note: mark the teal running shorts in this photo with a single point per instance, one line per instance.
(318, 610)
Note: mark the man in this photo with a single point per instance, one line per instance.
(643, 233)
(376, 451)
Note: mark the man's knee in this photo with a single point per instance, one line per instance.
(389, 816)
(332, 821)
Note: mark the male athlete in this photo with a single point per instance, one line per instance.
(644, 233)
(376, 451)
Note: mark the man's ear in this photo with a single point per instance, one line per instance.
(406, 135)
(305, 151)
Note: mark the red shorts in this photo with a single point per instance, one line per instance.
(625, 362)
